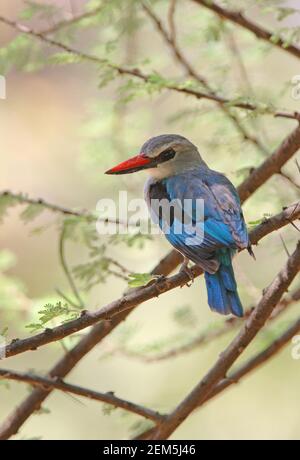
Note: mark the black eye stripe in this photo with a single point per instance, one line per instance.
(165, 156)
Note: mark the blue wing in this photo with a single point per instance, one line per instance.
(220, 225)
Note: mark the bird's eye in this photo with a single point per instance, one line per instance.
(166, 155)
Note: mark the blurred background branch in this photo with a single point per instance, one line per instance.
(73, 120)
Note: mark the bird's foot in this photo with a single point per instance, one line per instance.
(188, 271)
(160, 278)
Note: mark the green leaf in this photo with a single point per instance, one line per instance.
(37, 9)
(43, 411)
(107, 409)
(34, 327)
(51, 312)
(18, 54)
(5, 383)
(284, 12)
(261, 220)
(6, 202)
(4, 331)
(64, 58)
(275, 38)
(140, 279)
(185, 317)
(7, 260)
(31, 212)
(140, 426)
(132, 239)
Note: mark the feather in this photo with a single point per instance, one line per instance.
(210, 238)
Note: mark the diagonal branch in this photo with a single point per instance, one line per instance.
(245, 369)
(272, 165)
(260, 32)
(68, 361)
(207, 337)
(83, 214)
(47, 383)
(289, 179)
(257, 177)
(170, 39)
(271, 297)
(137, 73)
(257, 360)
(171, 19)
(132, 299)
(33, 402)
(72, 21)
(62, 257)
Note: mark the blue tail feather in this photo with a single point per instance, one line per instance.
(222, 289)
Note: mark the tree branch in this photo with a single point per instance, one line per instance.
(289, 179)
(245, 369)
(82, 214)
(47, 383)
(207, 337)
(272, 165)
(100, 331)
(69, 360)
(72, 21)
(33, 402)
(256, 321)
(132, 299)
(257, 360)
(187, 66)
(171, 19)
(61, 250)
(238, 18)
(137, 73)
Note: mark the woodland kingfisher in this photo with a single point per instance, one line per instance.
(179, 174)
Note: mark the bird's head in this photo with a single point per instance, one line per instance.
(162, 156)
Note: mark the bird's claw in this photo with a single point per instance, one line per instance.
(189, 272)
(160, 278)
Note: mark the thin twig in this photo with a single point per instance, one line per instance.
(253, 363)
(289, 179)
(85, 215)
(137, 73)
(132, 299)
(171, 19)
(171, 42)
(284, 245)
(272, 165)
(63, 262)
(207, 337)
(47, 383)
(65, 364)
(260, 32)
(244, 77)
(271, 296)
(33, 402)
(71, 21)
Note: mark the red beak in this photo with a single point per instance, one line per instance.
(134, 164)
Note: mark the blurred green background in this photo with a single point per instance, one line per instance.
(60, 131)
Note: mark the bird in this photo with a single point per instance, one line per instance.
(178, 174)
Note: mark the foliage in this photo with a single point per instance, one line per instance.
(142, 85)
(140, 279)
(50, 312)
